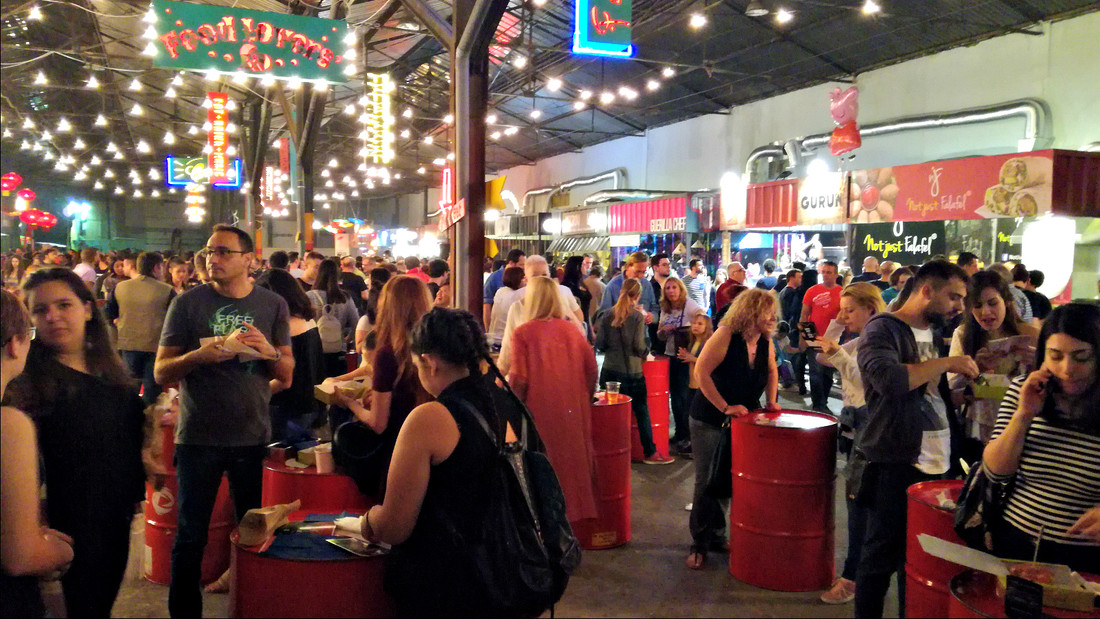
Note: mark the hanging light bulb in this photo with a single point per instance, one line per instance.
(41, 79)
(150, 33)
(211, 75)
(150, 49)
(668, 72)
(92, 82)
(535, 114)
(491, 119)
(511, 131)
(98, 185)
(652, 85)
(169, 138)
(579, 105)
(143, 147)
(192, 130)
(607, 97)
(79, 144)
(135, 85)
(870, 7)
(240, 78)
(177, 80)
(783, 16)
(553, 84)
(349, 109)
(35, 14)
(28, 123)
(108, 173)
(63, 125)
(101, 121)
(170, 93)
(428, 139)
(407, 113)
(494, 135)
(294, 83)
(519, 61)
(267, 81)
(697, 20)
(448, 119)
(95, 160)
(136, 110)
(584, 95)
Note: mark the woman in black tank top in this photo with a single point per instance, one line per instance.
(736, 366)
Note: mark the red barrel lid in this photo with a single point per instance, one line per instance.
(790, 419)
(938, 493)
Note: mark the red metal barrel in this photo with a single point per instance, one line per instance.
(927, 577)
(781, 514)
(266, 586)
(611, 443)
(161, 523)
(656, 386)
(319, 492)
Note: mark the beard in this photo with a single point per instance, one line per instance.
(936, 319)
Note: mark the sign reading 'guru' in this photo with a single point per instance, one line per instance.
(203, 37)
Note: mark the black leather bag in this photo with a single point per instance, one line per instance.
(362, 454)
(981, 504)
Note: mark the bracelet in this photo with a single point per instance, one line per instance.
(368, 530)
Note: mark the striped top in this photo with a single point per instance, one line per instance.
(1058, 478)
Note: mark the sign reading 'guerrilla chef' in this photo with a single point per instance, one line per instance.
(909, 242)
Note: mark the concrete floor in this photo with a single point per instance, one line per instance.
(644, 578)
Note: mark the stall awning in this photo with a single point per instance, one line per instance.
(579, 244)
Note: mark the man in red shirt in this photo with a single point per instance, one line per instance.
(820, 305)
(729, 289)
(412, 267)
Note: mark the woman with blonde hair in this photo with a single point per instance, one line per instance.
(736, 366)
(621, 338)
(858, 303)
(677, 312)
(395, 387)
(553, 370)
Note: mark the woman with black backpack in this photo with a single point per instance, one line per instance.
(444, 478)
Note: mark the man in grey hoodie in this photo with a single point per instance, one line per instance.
(907, 435)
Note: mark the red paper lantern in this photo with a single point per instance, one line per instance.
(38, 219)
(10, 181)
(27, 194)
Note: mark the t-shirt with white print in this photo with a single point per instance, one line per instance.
(935, 445)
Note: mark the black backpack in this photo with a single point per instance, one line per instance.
(527, 550)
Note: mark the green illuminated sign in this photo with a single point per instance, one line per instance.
(203, 37)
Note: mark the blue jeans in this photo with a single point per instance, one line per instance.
(821, 380)
(141, 366)
(199, 470)
(679, 375)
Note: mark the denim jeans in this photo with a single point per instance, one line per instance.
(199, 470)
(678, 392)
(708, 514)
(141, 366)
(821, 380)
(634, 386)
(857, 528)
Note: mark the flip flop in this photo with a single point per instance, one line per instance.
(696, 560)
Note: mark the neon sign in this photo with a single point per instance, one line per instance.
(378, 135)
(201, 37)
(603, 28)
(181, 172)
(218, 139)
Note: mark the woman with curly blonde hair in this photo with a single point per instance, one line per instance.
(736, 366)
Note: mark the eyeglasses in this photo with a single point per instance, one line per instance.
(220, 251)
(32, 332)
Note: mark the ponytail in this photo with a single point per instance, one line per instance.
(628, 296)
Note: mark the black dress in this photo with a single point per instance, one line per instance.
(428, 575)
(89, 436)
(297, 403)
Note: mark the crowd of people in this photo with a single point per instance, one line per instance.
(908, 343)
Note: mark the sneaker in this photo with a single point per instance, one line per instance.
(842, 592)
(658, 458)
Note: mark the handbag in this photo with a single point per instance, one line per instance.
(981, 504)
(681, 336)
(362, 454)
(720, 476)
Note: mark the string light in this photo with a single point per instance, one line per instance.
(553, 84)
(783, 16)
(92, 82)
(668, 72)
(491, 119)
(177, 80)
(150, 49)
(511, 131)
(535, 114)
(449, 118)
(584, 95)
(41, 79)
(101, 121)
(143, 147)
(519, 61)
(870, 7)
(35, 14)
(136, 110)
(135, 85)
(192, 130)
(169, 138)
(428, 139)
(652, 85)
(495, 135)
(63, 125)
(607, 97)
(170, 93)
(579, 105)
(697, 20)
(79, 144)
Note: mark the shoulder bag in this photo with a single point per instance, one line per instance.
(980, 505)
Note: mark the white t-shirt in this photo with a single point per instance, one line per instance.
(935, 445)
(86, 272)
(502, 302)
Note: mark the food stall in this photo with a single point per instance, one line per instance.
(580, 231)
(683, 226)
(517, 231)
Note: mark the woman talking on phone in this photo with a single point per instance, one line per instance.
(1047, 441)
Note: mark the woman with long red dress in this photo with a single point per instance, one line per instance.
(553, 371)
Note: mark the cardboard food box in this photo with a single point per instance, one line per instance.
(325, 391)
(1067, 590)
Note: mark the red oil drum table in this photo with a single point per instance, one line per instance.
(611, 443)
(162, 522)
(974, 594)
(781, 513)
(314, 583)
(319, 492)
(926, 577)
(656, 389)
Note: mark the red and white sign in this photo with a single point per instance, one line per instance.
(452, 214)
(447, 206)
(218, 115)
(652, 216)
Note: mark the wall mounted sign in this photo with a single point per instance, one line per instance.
(821, 199)
(603, 28)
(660, 215)
(204, 37)
(583, 221)
(378, 133)
(218, 138)
(910, 242)
(184, 171)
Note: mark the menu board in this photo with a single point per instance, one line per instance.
(903, 242)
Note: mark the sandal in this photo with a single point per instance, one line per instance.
(221, 585)
(696, 559)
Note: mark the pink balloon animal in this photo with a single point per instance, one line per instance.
(844, 107)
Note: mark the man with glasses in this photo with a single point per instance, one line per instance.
(224, 422)
(729, 289)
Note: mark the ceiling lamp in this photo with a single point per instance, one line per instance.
(553, 84)
(870, 7)
(535, 114)
(177, 80)
(756, 9)
(519, 61)
(136, 110)
(92, 82)
(349, 109)
(511, 131)
(41, 78)
(668, 72)
(35, 14)
(169, 138)
(143, 147)
(783, 16)
(405, 133)
(63, 125)
(628, 93)
(170, 93)
(491, 119)
(538, 2)
(407, 113)
(607, 97)
(494, 135)
(449, 118)
(79, 144)
(579, 105)
(652, 85)
(697, 20)
(101, 121)
(428, 139)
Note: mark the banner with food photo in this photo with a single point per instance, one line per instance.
(1012, 185)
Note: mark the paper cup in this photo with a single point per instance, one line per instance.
(324, 460)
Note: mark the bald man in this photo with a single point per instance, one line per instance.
(870, 271)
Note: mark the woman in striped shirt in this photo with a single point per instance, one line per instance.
(1047, 437)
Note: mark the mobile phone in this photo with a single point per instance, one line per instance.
(808, 331)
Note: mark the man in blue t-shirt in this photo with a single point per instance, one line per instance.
(516, 258)
(224, 421)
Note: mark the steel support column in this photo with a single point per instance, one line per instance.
(470, 83)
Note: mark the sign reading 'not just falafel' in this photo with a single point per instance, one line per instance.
(204, 37)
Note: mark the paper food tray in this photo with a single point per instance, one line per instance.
(325, 391)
